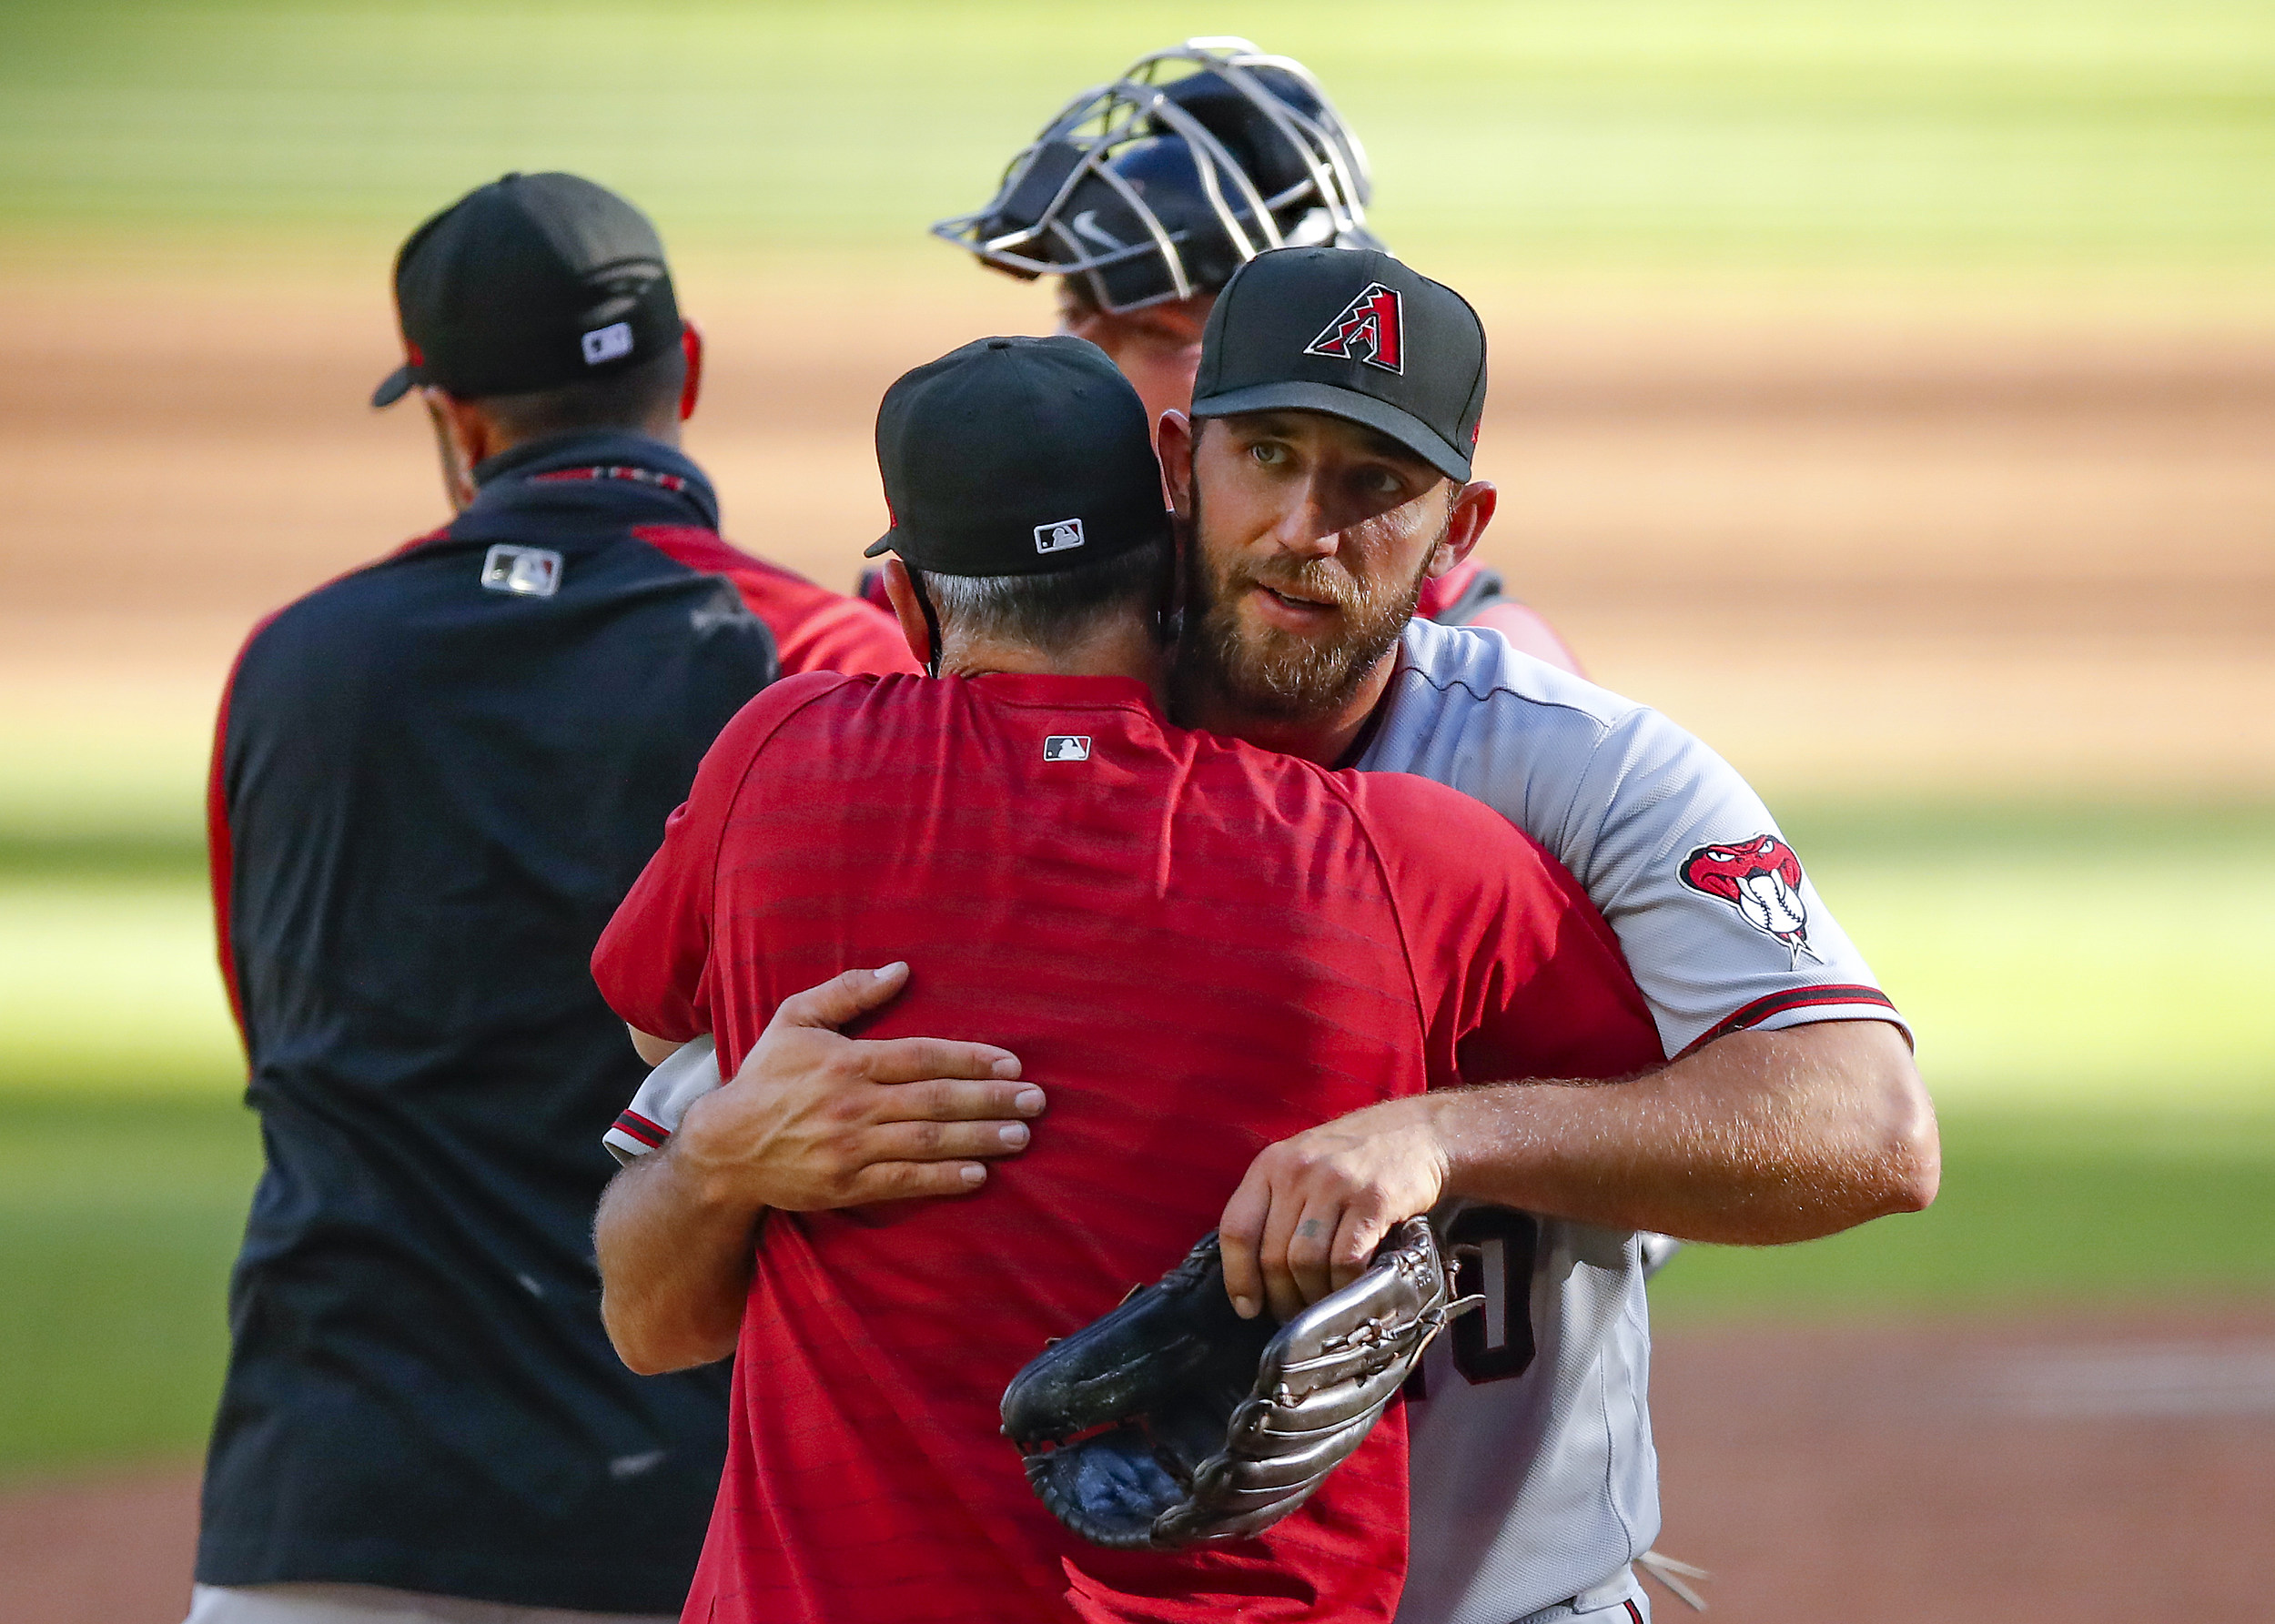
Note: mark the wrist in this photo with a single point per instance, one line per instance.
(706, 1156)
(1489, 1154)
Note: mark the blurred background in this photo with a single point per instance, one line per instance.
(1886, 392)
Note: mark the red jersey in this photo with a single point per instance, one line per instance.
(1196, 948)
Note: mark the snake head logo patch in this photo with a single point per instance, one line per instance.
(1371, 330)
(1761, 878)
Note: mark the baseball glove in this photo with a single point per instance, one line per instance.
(1172, 1421)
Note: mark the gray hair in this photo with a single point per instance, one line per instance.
(1051, 612)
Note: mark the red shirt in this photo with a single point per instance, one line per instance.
(1196, 948)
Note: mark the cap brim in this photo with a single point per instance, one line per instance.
(882, 544)
(395, 386)
(1353, 407)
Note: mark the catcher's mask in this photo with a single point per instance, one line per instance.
(1164, 182)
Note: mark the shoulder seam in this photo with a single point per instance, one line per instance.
(751, 762)
(1341, 791)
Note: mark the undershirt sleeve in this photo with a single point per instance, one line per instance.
(1519, 975)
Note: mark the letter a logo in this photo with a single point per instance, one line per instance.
(1370, 329)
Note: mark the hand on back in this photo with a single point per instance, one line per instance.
(816, 1120)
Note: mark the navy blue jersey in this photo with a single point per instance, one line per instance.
(434, 780)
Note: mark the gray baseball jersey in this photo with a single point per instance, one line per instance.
(1534, 1481)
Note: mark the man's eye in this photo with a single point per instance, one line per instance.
(1269, 455)
(1381, 481)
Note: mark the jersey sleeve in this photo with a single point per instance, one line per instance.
(1717, 915)
(652, 963)
(656, 1112)
(1517, 973)
(814, 629)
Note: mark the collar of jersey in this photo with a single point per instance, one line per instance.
(505, 479)
(1036, 688)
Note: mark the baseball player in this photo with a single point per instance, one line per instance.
(1286, 943)
(1143, 197)
(1322, 484)
(432, 781)
(1325, 467)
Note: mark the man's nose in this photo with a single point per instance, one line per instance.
(1306, 529)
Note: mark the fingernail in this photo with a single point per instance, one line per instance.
(1014, 1135)
(1008, 1066)
(898, 967)
(1244, 1307)
(974, 1173)
(1027, 1101)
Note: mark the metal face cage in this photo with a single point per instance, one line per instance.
(1158, 186)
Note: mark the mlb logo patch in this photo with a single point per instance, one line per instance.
(525, 571)
(1066, 747)
(606, 343)
(1058, 535)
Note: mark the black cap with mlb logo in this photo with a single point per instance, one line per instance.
(1018, 457)
(530, 283)
(1355, 335)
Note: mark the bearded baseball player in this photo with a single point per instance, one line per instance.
(1144, 195)
(1323, 476)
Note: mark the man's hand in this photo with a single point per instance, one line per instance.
(816, 1120)
(1311, 1210)
(813, 1119)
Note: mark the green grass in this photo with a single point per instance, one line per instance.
(2104, 133)
(2034, 1213)
(118, 1222)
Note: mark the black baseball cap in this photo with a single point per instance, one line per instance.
(529, 283)
(1016, 457)
(1354, 334)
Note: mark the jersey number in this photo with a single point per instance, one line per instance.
(1494, 1342)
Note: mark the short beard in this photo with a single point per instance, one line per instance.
(1274, 675)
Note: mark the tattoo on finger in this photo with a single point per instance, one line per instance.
(1310, 1229)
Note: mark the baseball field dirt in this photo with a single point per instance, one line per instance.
(1862, 542)
(2087, 1468)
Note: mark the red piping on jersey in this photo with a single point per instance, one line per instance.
(636, 1127)
(1777, 1004)
(642, 476)
(220, 852)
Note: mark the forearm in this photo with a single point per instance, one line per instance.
(675, 1266)
(1757, 1139)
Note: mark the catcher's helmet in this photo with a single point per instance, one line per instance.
(1162, 183)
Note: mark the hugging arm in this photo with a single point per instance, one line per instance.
(811, 1120)
(1757, 1139)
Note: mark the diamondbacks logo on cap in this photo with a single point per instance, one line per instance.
(1058, 535)
(1371, 330)
(606, 343)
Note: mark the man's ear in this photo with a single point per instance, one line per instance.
(908, 610)
(463, 437)
(1467, 515)
(1173, 442)
(692, 347)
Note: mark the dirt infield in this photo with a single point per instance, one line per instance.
(2089, 1467)
(1856, 546)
